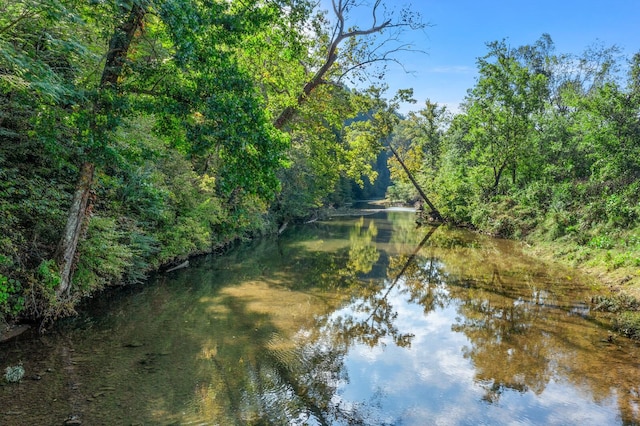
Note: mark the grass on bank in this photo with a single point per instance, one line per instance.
(612, 259)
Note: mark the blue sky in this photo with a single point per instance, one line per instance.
(460, 28)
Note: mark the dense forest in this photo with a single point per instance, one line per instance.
(137, 133)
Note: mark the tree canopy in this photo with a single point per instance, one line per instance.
(137, 133)
(545, 148)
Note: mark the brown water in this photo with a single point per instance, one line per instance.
(354, 321)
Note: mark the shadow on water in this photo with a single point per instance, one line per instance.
(362, 320)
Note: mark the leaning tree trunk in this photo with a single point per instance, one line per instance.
(75, 221)
(436, 214)
(66, 254)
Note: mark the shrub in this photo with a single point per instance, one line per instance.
(106, 256)
(401, 192)
(603, 242)
(617, 303)
(628, 324)
(11, 300)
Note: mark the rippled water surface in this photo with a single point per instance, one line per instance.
(363, 320)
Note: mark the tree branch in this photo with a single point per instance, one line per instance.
(26, 14)
(340, 34)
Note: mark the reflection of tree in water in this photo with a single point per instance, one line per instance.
(371, 317)
(363, 254)
(259, 377)
(249, 351)
(506, 352)
(297, 383)
(280, 382)
(423, 281)
(524, 333)
(522, 327)
(274, 380)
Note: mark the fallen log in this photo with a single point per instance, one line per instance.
(180, 266)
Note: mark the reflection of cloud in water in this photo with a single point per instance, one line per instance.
(431, 380)
(568, 406)
(415, 382)
(451, 364)
(368, 355)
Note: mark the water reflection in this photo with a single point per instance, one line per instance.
(356, 321)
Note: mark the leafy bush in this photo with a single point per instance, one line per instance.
(603, 242)
(628, 323)
(621, 208)
(48, 275)
(535, 196)
(106, 255)
(401, 192)
(11, 299)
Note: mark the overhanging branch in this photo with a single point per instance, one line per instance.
(339, 35)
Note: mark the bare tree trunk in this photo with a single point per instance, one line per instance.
(66, 253)
(497, 174)
(436, 214)
(69, 242)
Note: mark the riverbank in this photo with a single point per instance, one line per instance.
(609, 258)
(616, 286)
(273, 323)
(595, 263)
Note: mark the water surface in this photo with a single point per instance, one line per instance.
(364, 320)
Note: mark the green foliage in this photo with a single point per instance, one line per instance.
(601, 242)
(48, 275)
(545, 150)
(329, 148)
(188, 159)
(500, 108)
(186, 155)
(41, 290)
(11, 300)
(401, 193)
(628, 323)
(107, 255)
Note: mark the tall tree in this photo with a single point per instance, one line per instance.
(116, 56)
(501, 106)
(303, 65)
(119, 46)
(183, 74)
(420, 135)
(376, 132)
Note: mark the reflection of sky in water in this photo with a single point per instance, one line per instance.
(431, 382)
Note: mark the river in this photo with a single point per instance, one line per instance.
(357, 320)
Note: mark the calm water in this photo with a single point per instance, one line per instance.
(354, 321)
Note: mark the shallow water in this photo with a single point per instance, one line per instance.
(357, 320)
